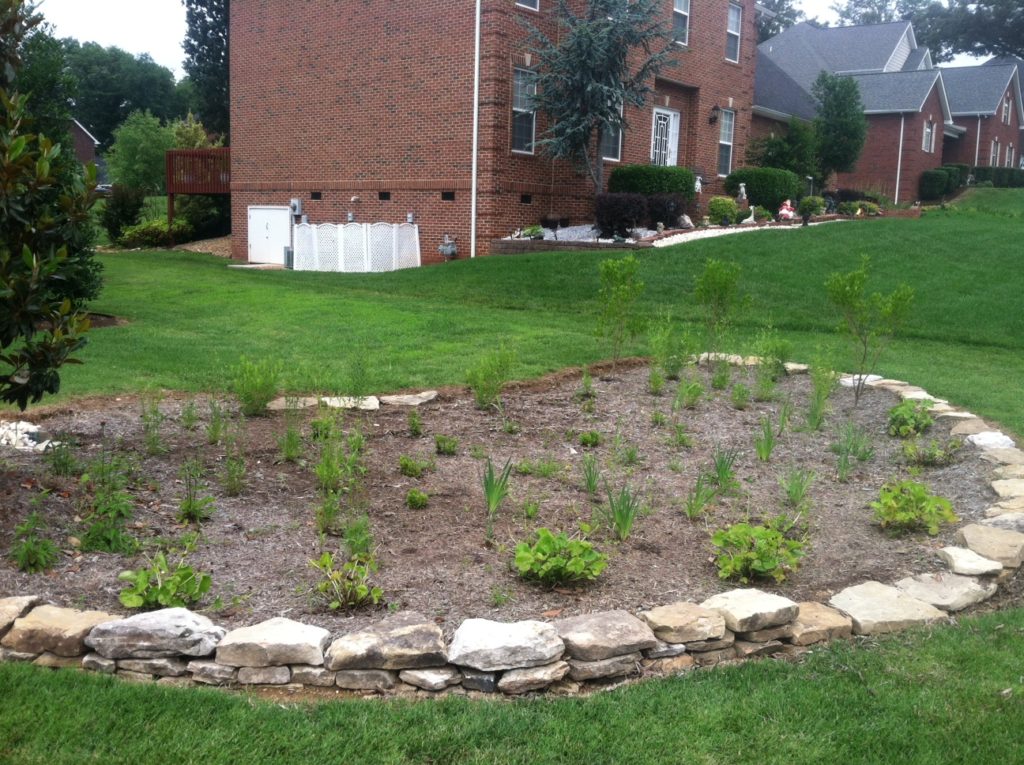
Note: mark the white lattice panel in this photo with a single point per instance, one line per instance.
(407, 246)
(353, 236)
(328, 252)
(304, 256)
(356, 247)
(382, 247)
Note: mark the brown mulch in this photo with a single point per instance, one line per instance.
(437, 560)
(221, 246)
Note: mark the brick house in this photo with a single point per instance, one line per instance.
(84, 141)
(986, 101)
(366, 110)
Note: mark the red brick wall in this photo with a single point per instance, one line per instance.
(353, 98)
(85, 148)
(969, 147)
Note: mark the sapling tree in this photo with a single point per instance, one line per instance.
(870, 320)
(620, 289)
(717, 292)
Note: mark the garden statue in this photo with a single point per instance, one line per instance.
(786, 212)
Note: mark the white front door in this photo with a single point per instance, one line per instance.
(665, 137)
(270, 231)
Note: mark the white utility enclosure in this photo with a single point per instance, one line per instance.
(269, 233)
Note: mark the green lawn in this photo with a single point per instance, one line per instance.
(947, 695)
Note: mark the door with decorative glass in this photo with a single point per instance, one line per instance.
(665, 137)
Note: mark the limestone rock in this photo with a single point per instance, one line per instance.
(405, 641)
(15, 608)
(211, 673)
(1010, 505)
(751, 609)
(702, 646)
(1010, 521)
(286, 403)
(366, 679)
(1004, 456)
(602, 635)
(615, 666)
(133, 677)
(50, 628)
(264, 675)
(53, 661)
(475, 680)
(409, 399)
(950, 592)
(665, 650)
(1010, 471)
(684, 623)
(670, 665)
(164, 667)
(793, 368)
(96, 663)
(991, 439)
(969, 427)
(436, 679)
(710, 658)
(766, 635)
(164, 633)
(275, 642)
(6, 654)
(491, 646)
(1009, 487)
(850, 381)
(960, 560)
(818, 623)
(517, 681)
(303, 674)
(1002, 545)
(876, 608)
(746, 649)
(175, 682)
(364, 404)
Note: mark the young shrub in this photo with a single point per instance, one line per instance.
(495, 491)
(795, 484)
(853, 444)
(764, 443)
(591, 474)
(415, 423)
(680, 439)
(416, 499)
(717, 292)
(932, 184)
(740, 396)
(328, 513)
(659, 419)
(745, 552)
(289, 443)
(810, 206)
(652, 179)
(215, 424)
(670, 352)
(255, 385)
(590, 439)
(193, 508)
(688, 395)
(347, 585)
(655, 382)
(189, 416)
(446, 446)
(910, 418)
(723, 210)
(619, 214)
(357, 537)
(871, 321)
(724, 472)
(823, 383)
(122, 210)
(766, 186)
(489, 376)
(721, 375)
(934, 453)
(620, 289)
(152, 420)
(108, 506)
(556, 559)
(32, 552)
(586, 389)
(234, 472)
(412, 467)
(60, 457)
(909, 506)
(620, 512)
(155, 234)
(700, 497)
(159, 585)
(774, 352)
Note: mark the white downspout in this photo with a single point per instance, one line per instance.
(977, 142)
(899, 162)
(476, 134)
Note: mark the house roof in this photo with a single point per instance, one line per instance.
(84, 130)
(895, 92)
(778, 92)
(1006, 61)
(979, 89)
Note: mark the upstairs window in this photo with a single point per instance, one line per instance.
(1009, 155)
(993, 158)
(732, 33)
(1007, 107)
(681, 21)
(727, 122)
(524, 119)
(611, 142)
(928, 140)
(533, 5)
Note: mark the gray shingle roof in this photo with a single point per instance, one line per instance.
(976, 89)
(776, 90)
(890, 92)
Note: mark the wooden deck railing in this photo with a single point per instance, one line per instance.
(199, 171)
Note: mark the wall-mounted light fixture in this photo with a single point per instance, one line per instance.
(714, 114)
(410, 217)
(351, 217)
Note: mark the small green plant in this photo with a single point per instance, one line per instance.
(785, 416)
(910, 418)
(626, 454)
(740, 396)
(416, 499)
(716, 291)
(509, 426)
(328, 512)
(680, 439)
(620, 289)
(499, 597)
(446, 446)
(322, 428)
(152, 421)
(193, 508)
(745, 552)
(773, 352)
(669, 351)
(700, 497)
(795, 484)
(724, 472)
(544, 467)
(233, 475)
(412, 467)
(908, 506)
(32, 551)
(823, 383)
(189, 417)
(590, 439)
(215, 424)
(620, 512)
(675, 466)
(161, 585)
(60, 458)
(586, 389)
(934, 453)
(591, 473)
(414, 423)
(495, 490)
(871, 321)
(688, 395)
(723, 211)
(853, 441)
(555, 559)
(290, 443)
(659, 419)
(108, 505)
(764, 443)
(489, 376)
(357, 536)
(477, 452)
(347, 585)
(531, 508)
(255, 385)
(655, 382)
(721, 374)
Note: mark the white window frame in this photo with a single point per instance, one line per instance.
(928, 138)
(681, 9)
(533, 132)
(993, 156)
(618, 143)
(533, 5)
(731, 33)
(671, 141)
(1009, 155)
(726, 116)
(1007, 106)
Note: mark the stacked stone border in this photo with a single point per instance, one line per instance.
(407, 654)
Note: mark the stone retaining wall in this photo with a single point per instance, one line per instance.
(407, 653)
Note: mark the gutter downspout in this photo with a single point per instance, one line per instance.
(476, 133)
(899, 161)
(977, 142)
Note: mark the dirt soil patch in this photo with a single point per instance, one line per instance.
(437, 560)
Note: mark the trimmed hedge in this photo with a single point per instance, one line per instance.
(954, 178)
(1001, 177)
(665, 208)
(766, 186)
(123, 208)
(723, 210)
(155, 233)
(932, 184)
(617, 214)
(651, 179)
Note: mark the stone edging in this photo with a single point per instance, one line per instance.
(407, 653)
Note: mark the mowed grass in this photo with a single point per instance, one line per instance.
(192, 318)
(943, 695)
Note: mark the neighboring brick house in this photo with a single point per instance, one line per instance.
(986, 101)
(85, 143)
(367, 108)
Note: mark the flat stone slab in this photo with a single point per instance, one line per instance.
(53, 661)
(969, 427)
(287, 403)
(264, 675)
(950, 592)
(1009, 471)
(275, 642)
(960, 560)
(315, 676)
(366, 679)
(665, 650)
(877, 608)
(12, 609)
(597, 636)
(751, 609)
(684, 623)
(492, 646)
(164, 633)
(404, 641)
(211, 673)
(436, 679)
(364, 404)
(1009, 487)
(1009, 521)
(1008, 505)
(409, 399)
(1004, 456)
(748, 650)
(765, 635)
(991, 439)
(1002, 545)
(850, 381)
(953, 414)
(793, 368)
(96, 663)
(817, 623)
(518, 681)
(703, 646)
(615, 666)
(53, 629)
(164, 667)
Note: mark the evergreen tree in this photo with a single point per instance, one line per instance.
(206, 61)
(840, 126)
